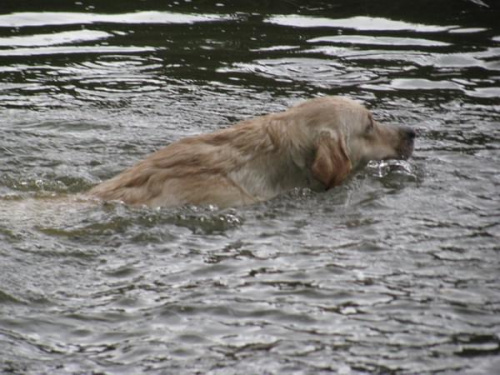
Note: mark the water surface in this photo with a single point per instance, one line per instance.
(397, 271)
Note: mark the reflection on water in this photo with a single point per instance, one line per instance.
(23, 19)
(53, 39)
(357, 23)
(396, 271)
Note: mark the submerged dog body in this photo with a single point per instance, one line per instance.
(315, 144)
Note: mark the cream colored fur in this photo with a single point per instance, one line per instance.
(315, 144)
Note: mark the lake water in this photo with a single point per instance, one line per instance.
(395, 272)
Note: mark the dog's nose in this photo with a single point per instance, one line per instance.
(410, 133)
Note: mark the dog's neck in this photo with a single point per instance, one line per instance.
(285, 154)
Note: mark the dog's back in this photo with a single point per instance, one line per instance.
(239, 165)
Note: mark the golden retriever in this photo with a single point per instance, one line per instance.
(315, 144)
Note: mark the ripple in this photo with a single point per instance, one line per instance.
(380, 41)
(109, 78)
(468, 30)
(65, 37)
(484, 59)
(423, 84)
(395, 271)
(6, 298)
(24, 19)
(314, 71)
(72, 50)
(356, 23)
(485, 92)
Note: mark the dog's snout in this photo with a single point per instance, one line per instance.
(409, 133)
(406, 142)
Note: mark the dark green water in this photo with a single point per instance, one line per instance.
(396, 272)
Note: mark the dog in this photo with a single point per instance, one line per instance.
(316, 144)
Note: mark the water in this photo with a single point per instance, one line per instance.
(397, 271)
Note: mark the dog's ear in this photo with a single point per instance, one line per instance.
(331, 164)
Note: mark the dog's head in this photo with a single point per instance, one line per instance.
(345, 136)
